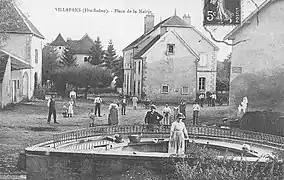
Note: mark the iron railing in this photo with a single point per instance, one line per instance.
(268, 139)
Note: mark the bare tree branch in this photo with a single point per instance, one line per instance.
(257, 20)
(222, 41)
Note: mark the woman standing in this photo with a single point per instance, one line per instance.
(113, 114)
(178, 136)
(70, 108)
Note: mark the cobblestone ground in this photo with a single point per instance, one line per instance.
(25, 124)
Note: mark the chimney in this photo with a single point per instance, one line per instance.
(148, 22)
(187, 19)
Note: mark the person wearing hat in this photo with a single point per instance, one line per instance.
(178, 136)
(152, 117)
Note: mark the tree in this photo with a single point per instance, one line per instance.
(86, 76)
(223, 74)
(97, 53)
(110, 56)
(49, 62)
(68, 59)
(118, 71)
(9, 19)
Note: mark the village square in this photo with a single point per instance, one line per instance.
(169, 81)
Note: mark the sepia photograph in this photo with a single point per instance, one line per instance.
(142, 90)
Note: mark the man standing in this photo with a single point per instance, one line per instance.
(52, 110)
(73, 96)
(182, 107)
(201, 99)
(153, 118)
(134, 101)
(213, 99)
(98, 100)
(196, 110)
(167, 113)
(123, 105)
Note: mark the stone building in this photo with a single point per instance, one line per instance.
(170, 61)
(263, 48)
(21, 60)
(81, 47)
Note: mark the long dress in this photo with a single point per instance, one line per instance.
(113, 114)
(177, 142)
(70, 108)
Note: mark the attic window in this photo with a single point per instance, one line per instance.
(170, 48)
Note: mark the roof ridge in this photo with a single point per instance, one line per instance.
(187, 45)
(25, 19)
(262, 5)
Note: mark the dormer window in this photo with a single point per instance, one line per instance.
(170, 49)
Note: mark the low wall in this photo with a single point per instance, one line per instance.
(63, 165)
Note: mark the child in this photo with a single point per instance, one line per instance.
(92, 116)
(65, 110)
(70, 108)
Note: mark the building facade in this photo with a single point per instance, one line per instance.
(81, 47)
(21, 61)
(263, 48)
(170, 61)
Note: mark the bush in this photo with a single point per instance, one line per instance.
(40, 92)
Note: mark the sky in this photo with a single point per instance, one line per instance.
(121, 28)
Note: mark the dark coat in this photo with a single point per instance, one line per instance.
(153, 118)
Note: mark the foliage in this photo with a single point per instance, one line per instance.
(68, 59)
(97, 53)
(263, 89)
(118, 71)
(202, 164)
(9, 19)
(40, 92)
(223, 74)
(49, 62)
(110, 56)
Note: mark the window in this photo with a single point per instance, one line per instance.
(135, 65)
(170, 49)
(86, 59)
(203, 60)
(185, 90)
(202, 81)
(165, 89)
(36, 56)
(18, 84)
(138, 89)
(59, 47)
(139, 67)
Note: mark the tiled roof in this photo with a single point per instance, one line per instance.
(247, 19)
(148, 46)
(133, 44)
(16, 62)
(175, 21)
(24, 25)
(81, 46)
(3, 63)
(59, 41)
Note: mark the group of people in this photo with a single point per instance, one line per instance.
(211, 99)
(178, 132)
